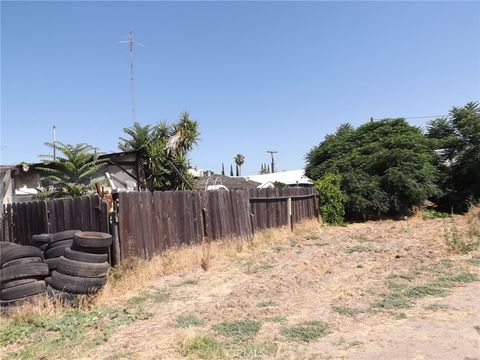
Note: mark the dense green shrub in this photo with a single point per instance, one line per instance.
(456, 140)
(331, 199)
(386, 167)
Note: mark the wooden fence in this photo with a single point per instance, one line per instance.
(149, 223)
(22, 220)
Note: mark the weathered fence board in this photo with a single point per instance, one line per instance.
(22, 220)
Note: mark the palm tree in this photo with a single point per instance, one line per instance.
(239, 160)
(166, 159)
(140, 136)
(69, 175)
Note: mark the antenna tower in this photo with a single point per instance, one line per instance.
(130, 43)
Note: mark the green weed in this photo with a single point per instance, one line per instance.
(267, 303)
(204, 347)
(357, 248)
(437, 306)
(347, 311)
(239, 329)
(185, 321)
(276, 319)
(187, 282)
(361, 239)
(305, 332)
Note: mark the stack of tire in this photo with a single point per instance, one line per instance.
(82, 269)
(53, 246)
(22, 273)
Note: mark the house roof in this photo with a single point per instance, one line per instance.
(291, 177)
(231, 182)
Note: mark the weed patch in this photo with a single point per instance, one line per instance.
(187, 282)
(361, 239)
(305, 332)
(267, 303)
(347, 311)
(255, 269)
(185, 321)
(357, 248)
(437, 306)
(475, 262)
(239, 329)
(204, 347)
(276, 319)
(393, 301)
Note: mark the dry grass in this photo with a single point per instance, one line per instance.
(133, 274)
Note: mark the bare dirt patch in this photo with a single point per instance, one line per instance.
(377, 290)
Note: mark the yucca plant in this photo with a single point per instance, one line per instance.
(69, 175)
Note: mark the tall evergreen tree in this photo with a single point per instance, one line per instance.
(231, 170)
(223, 169)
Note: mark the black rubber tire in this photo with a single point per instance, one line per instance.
(85, 257)
(63, 235)
(92, 239)
(103, 250)
(75, 284)
(81, 269)
(52, 263)
(47, 280)
(5, 245)
(23, 271)
(55, 252)
(41, 238)
(24, 290)
(16, 283)
(60, 243)
(25, 260)
(43, 247)
(18, 252)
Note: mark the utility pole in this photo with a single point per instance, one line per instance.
(272, 152)
(130, 43)
(54, 145)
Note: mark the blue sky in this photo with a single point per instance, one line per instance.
(257, 76)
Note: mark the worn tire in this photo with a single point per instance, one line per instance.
(92, 239)
(75, 284)
(99, 250)
(63, 235)
(55, 252)
(5, 245)
(41, 238)
(24, 290)
(16, 283)
(61, 243)
(23, 271)
(43, 247)
(81, 269)
(85, 257)
(52, 263)
(18, 252)
(25, 260)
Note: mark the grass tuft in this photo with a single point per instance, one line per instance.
(267, 303)
(239, 329)
(356, 248)
(203, 347)
(305, 332)
(276, 319)
(185, 321)
(347, 311)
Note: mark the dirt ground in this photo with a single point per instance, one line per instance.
(340, 276)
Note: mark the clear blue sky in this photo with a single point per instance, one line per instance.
(257, 76)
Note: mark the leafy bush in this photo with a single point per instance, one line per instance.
(456, 141)
(387, 166)
(331, 199)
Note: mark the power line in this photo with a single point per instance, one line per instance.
(411, 117)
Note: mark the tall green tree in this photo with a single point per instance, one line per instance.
(239, 160)
(386, 167)
(223, 169)
(69, 175)
(456, 141)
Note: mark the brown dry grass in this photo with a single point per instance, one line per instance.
(283, 280)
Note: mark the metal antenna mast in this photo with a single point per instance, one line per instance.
(130, 43)
(271, 152)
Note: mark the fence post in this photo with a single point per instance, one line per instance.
(289, 213)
